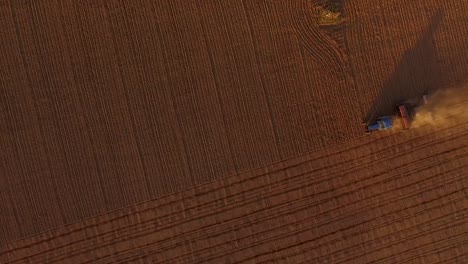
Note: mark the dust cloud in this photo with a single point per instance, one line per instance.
(443, 108)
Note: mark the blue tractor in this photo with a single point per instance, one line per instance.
(406, 113)
(383, 123)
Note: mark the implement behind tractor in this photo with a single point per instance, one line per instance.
(405, 118)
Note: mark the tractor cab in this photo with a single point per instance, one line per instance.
(383, 123)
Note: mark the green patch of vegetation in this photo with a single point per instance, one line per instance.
(328, 17)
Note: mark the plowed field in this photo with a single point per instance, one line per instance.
(399, 51)
(105, 104)
(402, 200)
(110, 103)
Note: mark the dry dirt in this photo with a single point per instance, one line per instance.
(443, 108)
(108, 103)
(398, 198)
(105, 104)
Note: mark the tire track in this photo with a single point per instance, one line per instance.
(251, 223)
(233, 228)
(312, 218)
(435, 244)
(267, 173)
(275, 217)
(444, 227)
(389, 235)
(367, 243)
(437, 252)
(269, 240)
(464, 259)
(275, 171)
(383, 224)
(280, 191)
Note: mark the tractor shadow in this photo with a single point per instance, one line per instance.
(417, 73)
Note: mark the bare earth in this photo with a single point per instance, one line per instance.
(111, 111)
(403, 200)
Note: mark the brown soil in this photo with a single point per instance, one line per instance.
(397, 198)
(110, 103)
(105, 104)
